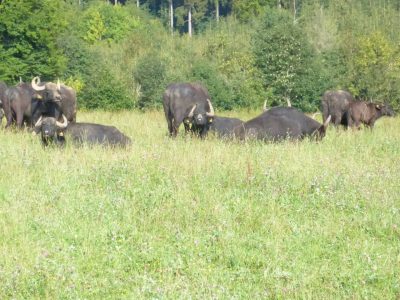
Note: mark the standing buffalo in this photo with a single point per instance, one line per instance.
(188, 103)
(336, 104)
(53, 131)
(18, 104)
(3, 88)
(367, 113)
(223, 126)
(27, 102)
(62, 95)
(279, 123)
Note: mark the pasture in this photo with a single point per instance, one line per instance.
(187, 218)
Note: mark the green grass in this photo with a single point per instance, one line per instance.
(187, 218)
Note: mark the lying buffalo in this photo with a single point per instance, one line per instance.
(280, 123)
(367, 113)
(55, 132)
(336, 104)
(223, 126)
(188, 103)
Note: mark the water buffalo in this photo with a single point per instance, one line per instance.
(3, 88)
(188, 103)
(280, 123)
(55, 132)
(223, 126)
(17, 105)
(367, 113)
(60, 94)
(25, 103)
(336, 104)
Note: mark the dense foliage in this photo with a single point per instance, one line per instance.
(119, 56)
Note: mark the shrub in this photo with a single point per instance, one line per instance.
(104, 91)
(149, 74)
(220, 92)
(286, 61)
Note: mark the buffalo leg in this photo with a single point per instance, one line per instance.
(175, 128)
(170, 129)
(20, 119)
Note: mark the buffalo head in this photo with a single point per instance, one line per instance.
(319, 134)
(51, 90)
(200, 118)
(385, 109)
(51, 129)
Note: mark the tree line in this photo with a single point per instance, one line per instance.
(122, 54)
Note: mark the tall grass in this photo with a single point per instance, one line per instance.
(187, 218)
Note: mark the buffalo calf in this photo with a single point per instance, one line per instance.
(367, 113)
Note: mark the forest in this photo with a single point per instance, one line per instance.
(122, 54)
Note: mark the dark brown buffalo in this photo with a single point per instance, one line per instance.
(63, 96)
(55, 132)
(188, 103)
(279, 123)
(18, 105)
(362, 112)
(224, 126)
(3, 88)
(336, 104)
(26, 103)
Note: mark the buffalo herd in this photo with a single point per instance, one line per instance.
(50, 109)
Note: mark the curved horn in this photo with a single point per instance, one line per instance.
(289, 104)
(265, 106)
(64, 124)
(35, 85)
(58, 84)
(211, 113)
(38, 124)
(190, 115)
(327, 121)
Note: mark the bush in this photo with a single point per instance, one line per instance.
(287, 62)
(149, 74)
(104, 91)
(220, 92)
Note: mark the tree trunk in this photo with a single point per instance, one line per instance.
(171, 16)
(294, 11)
(137, 3)
(190, 21)
(217, 10)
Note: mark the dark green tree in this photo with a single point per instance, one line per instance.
(287, 62)
(28, 39)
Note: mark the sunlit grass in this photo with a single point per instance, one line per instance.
(200, 219)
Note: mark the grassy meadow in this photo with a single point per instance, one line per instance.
(187, 218)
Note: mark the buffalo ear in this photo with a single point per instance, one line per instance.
(210, 120)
